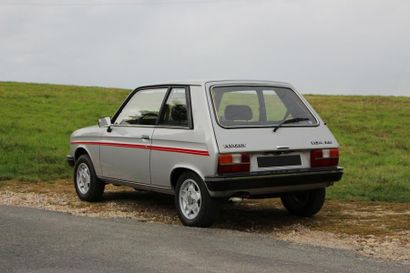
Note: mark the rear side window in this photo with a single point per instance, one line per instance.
(175, 111)
(142, 108)
(258, 106)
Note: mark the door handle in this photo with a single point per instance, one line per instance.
(145, 137)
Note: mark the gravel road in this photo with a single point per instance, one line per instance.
(375, 229)
(35, 240)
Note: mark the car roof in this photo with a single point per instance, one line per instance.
(221, 82)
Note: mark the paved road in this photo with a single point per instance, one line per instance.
(34, 240)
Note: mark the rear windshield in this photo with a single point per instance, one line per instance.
(258, 106)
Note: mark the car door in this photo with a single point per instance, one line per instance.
(125, 146)
(174, 142)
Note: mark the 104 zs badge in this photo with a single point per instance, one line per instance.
(319, 142)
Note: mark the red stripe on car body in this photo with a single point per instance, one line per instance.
(142, 146)
(179, 150)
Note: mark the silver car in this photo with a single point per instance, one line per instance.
(205, 142)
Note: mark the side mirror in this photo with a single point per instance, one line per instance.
(104, 122)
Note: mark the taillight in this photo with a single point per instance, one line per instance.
(324, 157)
(233, 163)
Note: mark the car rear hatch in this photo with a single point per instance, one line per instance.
(250, 123)
(288, 148)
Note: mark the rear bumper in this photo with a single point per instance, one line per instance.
(70, 160)
(273, 182)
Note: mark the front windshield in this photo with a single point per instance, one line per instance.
(256, 106)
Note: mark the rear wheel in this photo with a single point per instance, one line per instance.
(194, 205)
(306, 203)
(86, 183)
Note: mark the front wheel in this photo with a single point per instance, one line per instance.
(305, 203)
(87, 185)
(194, 205)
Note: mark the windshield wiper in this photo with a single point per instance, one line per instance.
(287, 121)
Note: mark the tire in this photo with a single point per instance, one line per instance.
(87, 185)
(306, 203)
(207, 208)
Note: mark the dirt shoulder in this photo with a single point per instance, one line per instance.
(375, 229)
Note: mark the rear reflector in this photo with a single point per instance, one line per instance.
(233, 163)
(324, 157)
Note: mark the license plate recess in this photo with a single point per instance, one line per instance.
(278, 161)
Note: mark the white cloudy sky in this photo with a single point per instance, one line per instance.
(320, 46)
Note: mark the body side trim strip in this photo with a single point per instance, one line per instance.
(145, 146)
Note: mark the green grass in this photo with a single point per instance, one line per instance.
(36, 121)
(374, 134)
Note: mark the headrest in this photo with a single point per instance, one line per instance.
(238, 112)
(179, 113)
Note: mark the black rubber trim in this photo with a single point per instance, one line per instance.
(273, 179)
(70, 160)
(136, 185)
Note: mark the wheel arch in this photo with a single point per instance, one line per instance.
(178, 170)
(79, 151)
(94, 157)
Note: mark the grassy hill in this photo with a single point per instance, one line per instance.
(36, 121)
